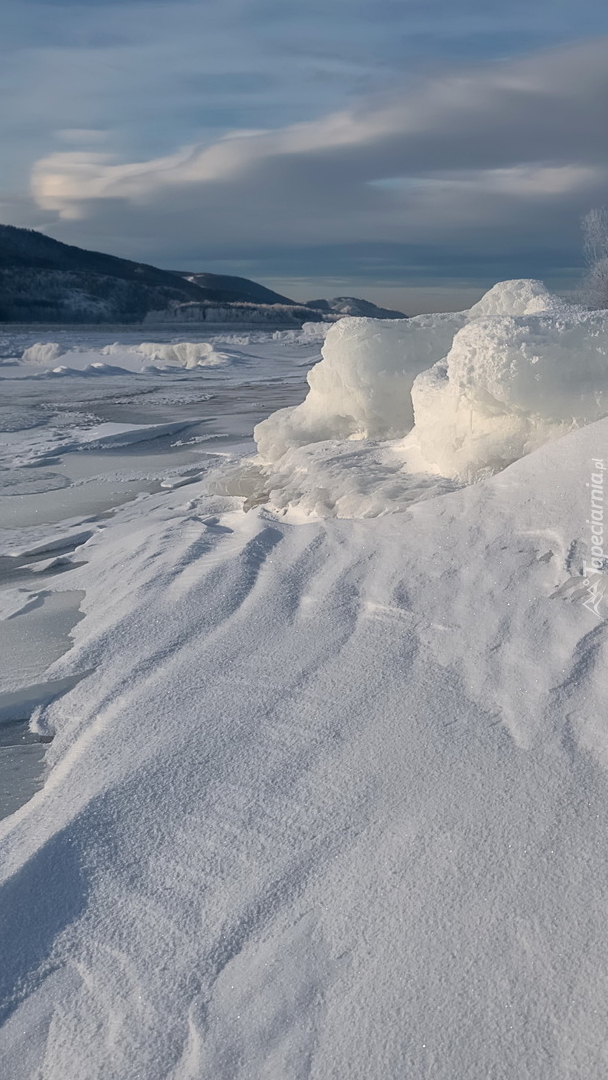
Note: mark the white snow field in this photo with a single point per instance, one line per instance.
(327, 791)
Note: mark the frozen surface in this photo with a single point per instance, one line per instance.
(325, 798)
(76, 444)
(120, 352)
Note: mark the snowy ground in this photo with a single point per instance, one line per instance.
(326, 795)
(144, 429)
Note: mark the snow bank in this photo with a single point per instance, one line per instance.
(484, 388)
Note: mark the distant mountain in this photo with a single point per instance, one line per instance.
(351, 305)
(43, 280)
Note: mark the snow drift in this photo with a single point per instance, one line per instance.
(459, 395)
(323, 802)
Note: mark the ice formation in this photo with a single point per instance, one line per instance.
(466, 393)
(508, 385)
(522, 296)
(362, 387)
(42, 352)
(188, 354)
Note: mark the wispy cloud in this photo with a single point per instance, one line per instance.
(488, 145)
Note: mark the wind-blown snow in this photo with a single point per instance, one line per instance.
(332, 803)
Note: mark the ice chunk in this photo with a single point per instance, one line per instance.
(485, 387)
(188, 354)
(362, 386)
(508, 385)
(42, 352)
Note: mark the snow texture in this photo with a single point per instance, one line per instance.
(332, 802)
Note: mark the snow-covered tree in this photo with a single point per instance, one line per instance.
(595, 231)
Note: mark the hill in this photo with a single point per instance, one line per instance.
(45, 280)
(352, 305)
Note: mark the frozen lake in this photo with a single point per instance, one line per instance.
(54, 487)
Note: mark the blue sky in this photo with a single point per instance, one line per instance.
(411, 151)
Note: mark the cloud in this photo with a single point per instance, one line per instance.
(505, 146)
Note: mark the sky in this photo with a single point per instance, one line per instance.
(412, 152)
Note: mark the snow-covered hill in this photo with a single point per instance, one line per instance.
(44, 280)
(354, 306)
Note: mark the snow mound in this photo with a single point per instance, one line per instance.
(64, 370)
(309, 332)
(42, 352)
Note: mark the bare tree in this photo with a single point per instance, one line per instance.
(595, 232)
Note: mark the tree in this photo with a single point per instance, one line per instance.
(595, 232)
